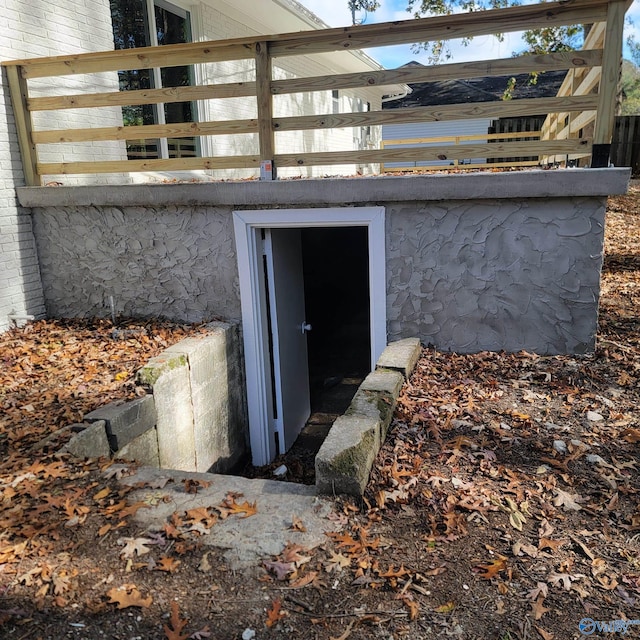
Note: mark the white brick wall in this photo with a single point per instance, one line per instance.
(31, 29)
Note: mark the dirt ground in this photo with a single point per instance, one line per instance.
(505, 503)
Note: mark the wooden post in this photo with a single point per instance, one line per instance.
(266, 135)
(609, 79)
(19, 95)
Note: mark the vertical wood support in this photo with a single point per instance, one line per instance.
(19, 95)
(609, 79)
(264, 71)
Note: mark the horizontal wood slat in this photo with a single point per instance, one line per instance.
(143, 96)
(147, 132)
(460, 70)
(450, 152)
(133, 166)
(528, 106)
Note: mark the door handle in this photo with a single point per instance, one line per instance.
(305, 326)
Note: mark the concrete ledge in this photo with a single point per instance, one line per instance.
(344, 461)
(518, 184)
(125, 421)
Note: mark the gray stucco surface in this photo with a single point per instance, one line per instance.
(496, 274)
(177, 262)
(491, 268)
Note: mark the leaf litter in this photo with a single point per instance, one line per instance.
(504, 503)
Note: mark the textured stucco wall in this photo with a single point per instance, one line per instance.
(174, 262)
(464, 275)
(494, 275)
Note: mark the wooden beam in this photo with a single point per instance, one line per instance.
(142, 132)
(537, 16)
(143, 96)
(611, 61)
(546, 14)
(410, 75)
(170, 164)
(264, 76)
(448, 152)
(170, 55)
(24, 126)
(495, 108)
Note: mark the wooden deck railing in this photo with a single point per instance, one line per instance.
(576, 106)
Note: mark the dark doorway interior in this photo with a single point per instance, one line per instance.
(336, 289)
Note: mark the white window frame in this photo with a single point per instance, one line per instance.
(247, 228)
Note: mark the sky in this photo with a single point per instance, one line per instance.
(336, 14)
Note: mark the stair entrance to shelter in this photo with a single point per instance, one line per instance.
(313, 307)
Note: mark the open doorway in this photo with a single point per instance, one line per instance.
(350, 326)
(336, 291)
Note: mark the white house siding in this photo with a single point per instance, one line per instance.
(412, 131)
(31, 29)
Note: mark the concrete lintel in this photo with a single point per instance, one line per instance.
(481, 185)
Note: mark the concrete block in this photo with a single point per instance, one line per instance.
(91, 442)
(389, 382)
(217, 396)
(345, 458)
(126, 420)
(172, 395)
(401, 355)
(143, 449)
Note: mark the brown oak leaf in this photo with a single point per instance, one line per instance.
(173, 630)
(128, 596)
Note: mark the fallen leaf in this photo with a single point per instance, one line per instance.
(128, 596)
(492, 569)
(542, 589)
(204, 565)
(134, 546)
(545, 635)
(553, 545)
(168, 564)
(336, 562)
(280, 569)
(446, 608)
(297, 525)
(173, 630)
(567, 500)
(556, 579)
(412, 607)
(538, 608)
(275, 613)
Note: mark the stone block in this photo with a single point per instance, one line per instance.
(143, 449)
(401, 355)
(389, 382)
(217, 396)
(172, 395)
(345, 458)
(126, 420)
(377, 405)
(91, 442)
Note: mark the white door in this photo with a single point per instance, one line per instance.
(285, 280)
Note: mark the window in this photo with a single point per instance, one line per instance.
(142, 23)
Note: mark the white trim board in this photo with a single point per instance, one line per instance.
(256, 351)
